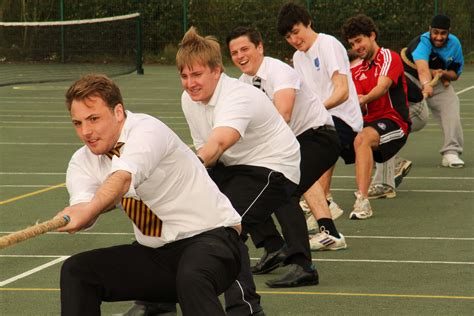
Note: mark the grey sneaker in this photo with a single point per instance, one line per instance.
(381, 191)
(362, 209)
(402, 169)
(312, 224)
(305, 207)
(336, 210)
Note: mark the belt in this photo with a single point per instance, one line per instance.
(325, 128)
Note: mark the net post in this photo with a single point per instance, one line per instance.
(139, 54)
(61, 13)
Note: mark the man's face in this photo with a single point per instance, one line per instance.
(245, 55)
(96, 124)
(438, 37)
(364, 46)
(300, 37)
(200, 81)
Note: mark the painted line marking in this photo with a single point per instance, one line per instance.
(465, 90)
(340, 177)
(32, 193)
(446, 297)
(30, 272)
(370, 295)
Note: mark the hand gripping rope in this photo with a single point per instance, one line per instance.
(405, 59)
(33, 231)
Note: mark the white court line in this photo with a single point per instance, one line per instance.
(464, 90)
(340, 177)
(347, 236)
(419, 191)
(396, 261)
(35, 173)
(388, 261)
(30, 272)
(417, 178)
(41, 144)
(333, 189)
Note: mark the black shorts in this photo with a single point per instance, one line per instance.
(392, 139)
(320, 148)
(346, 136)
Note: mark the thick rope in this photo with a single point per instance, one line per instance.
(33, 231)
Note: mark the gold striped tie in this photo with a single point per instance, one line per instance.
(143, 217)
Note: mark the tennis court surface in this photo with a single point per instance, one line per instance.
(414, 257)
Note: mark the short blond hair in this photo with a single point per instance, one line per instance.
(195, 49)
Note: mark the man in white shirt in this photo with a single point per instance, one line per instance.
(322, 62)
(313, 127)
(253, 155)
(187, 232)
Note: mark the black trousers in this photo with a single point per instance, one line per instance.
(192, 271)
(320, 150)
(255, 192)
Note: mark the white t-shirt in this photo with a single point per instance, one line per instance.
(317, 66)
(266, 140)
(166, 176)
(308, 110)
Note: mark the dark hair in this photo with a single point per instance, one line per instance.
(252, 34)
(359, 25)
(94, 85)
(291, 14)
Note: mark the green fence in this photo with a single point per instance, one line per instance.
(164, 21)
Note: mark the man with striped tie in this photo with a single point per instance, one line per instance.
(188, 245)
(382, 91)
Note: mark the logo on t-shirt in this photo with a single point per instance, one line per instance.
(316, 63)
(362, 77)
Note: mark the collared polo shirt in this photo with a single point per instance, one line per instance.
(308, 110)
(166, 176)
(266, 140)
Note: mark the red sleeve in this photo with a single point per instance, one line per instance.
(392, 66)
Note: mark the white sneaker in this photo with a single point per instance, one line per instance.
(452, 161)
(381, 191)
(336, 210)
(312, 225)
(305, 207)
(362, 209)
(324, 241)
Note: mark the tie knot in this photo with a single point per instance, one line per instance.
(257, 82)
(115, 151)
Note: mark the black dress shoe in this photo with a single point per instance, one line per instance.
(142, 308)
(296, 276)
(270, 261)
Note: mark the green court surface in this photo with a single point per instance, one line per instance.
(414, 257)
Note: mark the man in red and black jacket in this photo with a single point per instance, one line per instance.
(382, 91)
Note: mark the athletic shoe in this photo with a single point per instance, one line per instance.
(381, 191)
(362, 209)
(336, 210)
(312, 224)
(324, 241)
(305, 207)
(402, 169)
(452, 161)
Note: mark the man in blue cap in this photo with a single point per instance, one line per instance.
(438, 52)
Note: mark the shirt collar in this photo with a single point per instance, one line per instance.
(215, 96)
(262, 70)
